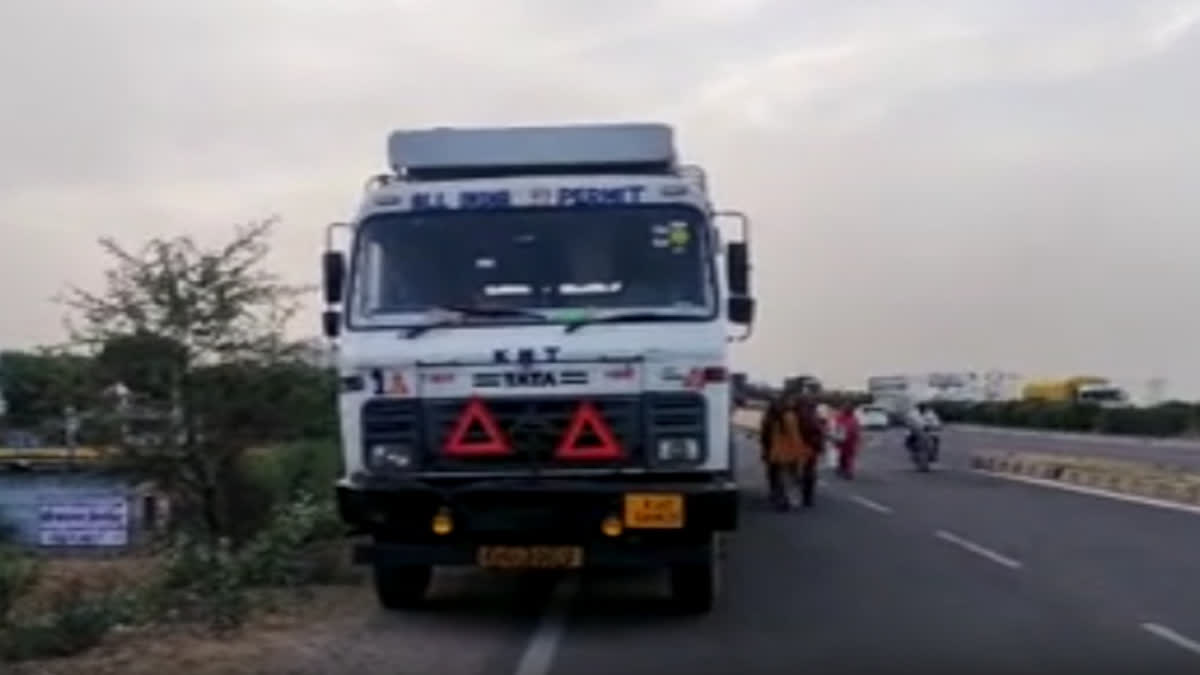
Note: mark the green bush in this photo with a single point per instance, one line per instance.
(280, 475)
(74, 625)
(201, 583)
(210, 584)
(282, 553)
(300, 468)
(18, 574)
(1166, 420)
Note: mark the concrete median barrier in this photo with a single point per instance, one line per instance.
(1139, 479)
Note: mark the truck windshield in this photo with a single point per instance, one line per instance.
(650, 257)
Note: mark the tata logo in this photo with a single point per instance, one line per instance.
(530, 378)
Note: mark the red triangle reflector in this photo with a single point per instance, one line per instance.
(476, 413)
(587, 418)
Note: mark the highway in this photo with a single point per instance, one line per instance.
(898, 571)
(895, 572)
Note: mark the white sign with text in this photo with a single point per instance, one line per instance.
(94, 521)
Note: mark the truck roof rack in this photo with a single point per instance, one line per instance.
(447, 153)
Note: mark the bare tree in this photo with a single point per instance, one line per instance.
(218, 309)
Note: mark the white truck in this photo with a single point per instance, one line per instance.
(531, 330)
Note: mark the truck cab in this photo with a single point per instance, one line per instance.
(531, 330)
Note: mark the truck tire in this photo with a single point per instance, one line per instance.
(695, 586)
(402, 587)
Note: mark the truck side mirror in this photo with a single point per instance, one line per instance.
(741, 309)
(737, 268)
(331, 323)
(333, 266)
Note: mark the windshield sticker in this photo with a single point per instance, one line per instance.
(508, 289)
(595, 288)
(570, 314)
(679, 236)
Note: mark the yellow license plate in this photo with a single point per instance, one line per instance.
(530, 557)
(656, 511)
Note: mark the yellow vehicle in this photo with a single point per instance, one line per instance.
(1078, 389)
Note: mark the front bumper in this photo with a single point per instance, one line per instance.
(398, 515)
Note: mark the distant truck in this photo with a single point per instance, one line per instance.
(803, 383)
(1079, 389)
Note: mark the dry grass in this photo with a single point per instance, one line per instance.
(282, 623)
(91, 576)
(267, 644)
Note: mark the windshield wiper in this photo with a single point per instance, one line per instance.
(464, 311)
(629, 317)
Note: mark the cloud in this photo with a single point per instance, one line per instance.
(933, 183)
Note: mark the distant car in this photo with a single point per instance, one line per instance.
(871, 417)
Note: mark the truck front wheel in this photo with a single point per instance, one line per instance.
(402, 586)
(695, 586)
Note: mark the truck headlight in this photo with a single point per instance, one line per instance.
(391, 456)
(678, 449)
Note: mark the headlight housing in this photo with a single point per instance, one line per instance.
(391, 457)
(678, 450)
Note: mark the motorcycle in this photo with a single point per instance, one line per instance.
(924, 448)
(935, 443)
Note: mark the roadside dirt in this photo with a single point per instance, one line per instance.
(475, 623)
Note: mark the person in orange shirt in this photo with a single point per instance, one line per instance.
(791, 437)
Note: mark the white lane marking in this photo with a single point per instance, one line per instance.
(873, 505)
(1171, 636)
(539, 653)
(1097, 492)
(979, 550)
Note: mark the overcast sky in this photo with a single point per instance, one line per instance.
(955, 184)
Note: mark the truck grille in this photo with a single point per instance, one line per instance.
(676, 414)
(533, 426)
(386, 421)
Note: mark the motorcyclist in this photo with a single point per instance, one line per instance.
(933, 423)
(921, 419)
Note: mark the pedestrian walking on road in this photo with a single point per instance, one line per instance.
(791, 436)
(848, 440)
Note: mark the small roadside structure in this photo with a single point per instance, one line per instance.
(73, 510)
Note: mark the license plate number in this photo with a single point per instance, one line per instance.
(654, 511)
(530, 557)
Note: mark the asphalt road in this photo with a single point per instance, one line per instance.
(1172, 452)
(895, 572)
(902, 572)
